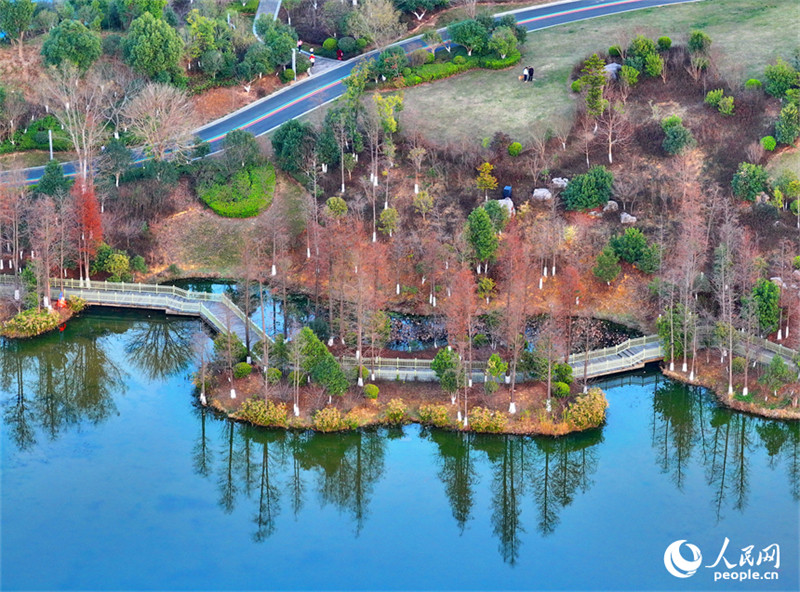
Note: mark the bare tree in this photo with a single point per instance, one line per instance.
(84, 106)
(163, 118)
(13, 197)
(616, 127)
(379, 21)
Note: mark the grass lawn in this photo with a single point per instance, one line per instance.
(746, 34)
(788, 161)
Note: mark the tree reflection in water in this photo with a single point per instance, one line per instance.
(59, 380)
(160, 348)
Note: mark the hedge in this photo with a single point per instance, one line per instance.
(441, 70)
(246, 194)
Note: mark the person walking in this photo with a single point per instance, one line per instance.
(525, 74)
(530, 73)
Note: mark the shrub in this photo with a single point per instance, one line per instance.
(501, 63)
(738, 364)
(676, 137)
(348, 45)
(138, 264)
(362, 43)
(664, 43)
(725, 105)
(713, 97)
(749, 181)
(588, 411)
(779, 77)
(796, 260)
(787, 128)
(371, 391)
(577, 86)
(607, 267)
(589, 190)
(435, 415)
(329, 44)
(287, 75)
(238, 349)
(396, 412)
(483, 420)
(615, 51)
(629, 246)
(242, 370)
(267, 414)
(31, 322)
(112, 45)
(329, 420)
(753, 84)
(391, 62)
(768, 143)
(563, 373)
(480, 340)
(417, 58)
(248, 193)
(490, 386)
(459, 60)
(653, 65)
(273, 376)
(641, 47)
(699, 41)
(514, 149)
(76, 304)
(560, 390)
(650, 261)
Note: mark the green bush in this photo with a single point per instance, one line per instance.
(480, 340)
(435, 415)
(615, 51)
(560, 390)
(641, 47)
(796, 260)
(653, 65)
(577, 86)
(287, 75)
(329, 420)
(242, 370)
(725, 105)
(238, 349)
(787, 128)
(630, 245)
(713, 97)
(699, 41)
(138, 264)
(267, 414)
(458, 60)
(664, 43)
(589, 190)
(76, 304)
(588, 411)
(371, 391)
(738, 364)
(30, 322)
(501, 63)
(676, 137)
(329, 44)
(514, 149)
(753, 84)
(362, 43)
(749, 181)
(483, 420)
(274, 376)
(780, 77)
(396, 412)
(247, 194)
(562, 373)
(768, 143)
(348, 45)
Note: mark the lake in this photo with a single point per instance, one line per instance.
(114, 478)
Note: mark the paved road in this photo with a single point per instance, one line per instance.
(270, 112)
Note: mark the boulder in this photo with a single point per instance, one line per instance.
(626, 218)
(542, 194)
(778, 282)
(796, 273)
(507, 204)
(611, 206)
(560, 182)
(612, 69)
(595, 214)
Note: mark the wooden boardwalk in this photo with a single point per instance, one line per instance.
(223, 315)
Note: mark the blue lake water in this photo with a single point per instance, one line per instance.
(114, 479)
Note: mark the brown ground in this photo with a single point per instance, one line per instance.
(218, 102)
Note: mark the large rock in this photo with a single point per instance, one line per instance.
(507, 204)
(595, 214)
(560, 182)
(626, 218)
(611, 70)
(611, 206)
(778, 282)
(542, 194)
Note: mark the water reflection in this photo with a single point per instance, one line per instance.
(58, 381)
(160, 348)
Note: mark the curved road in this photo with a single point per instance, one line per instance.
(270, 112)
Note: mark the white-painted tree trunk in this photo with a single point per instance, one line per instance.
(512, 407)
(233, 393)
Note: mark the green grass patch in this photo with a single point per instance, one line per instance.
(247, 194)
(247, 7)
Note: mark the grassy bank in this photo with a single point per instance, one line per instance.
(746, 34)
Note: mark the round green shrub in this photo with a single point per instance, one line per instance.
(615, 51)
(588, 411)
(396, 412)
(796, 262)
(436, 415)
(769, 143)
(406, 71)
(268, 414)
(458, 60)
(329, 44)
(242, 370)
(480, 340)
(725, 105)
(138, 264)
(430, 59)
(560, 390)
(514, 149)
(273, 376)
(577, 86)
(362, 43)
(664, 43)
(738, 363)
(371, 391)
(348, 45)
(287, 75)
(753, 84)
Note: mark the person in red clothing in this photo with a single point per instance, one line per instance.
(339, 54)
